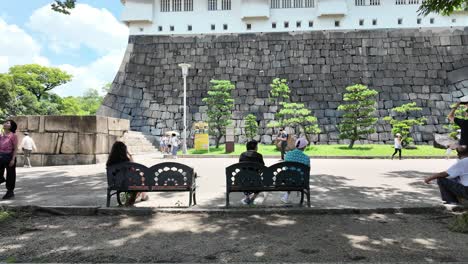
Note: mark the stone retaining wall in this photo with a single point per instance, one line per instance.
(429, 67)
(70, 140)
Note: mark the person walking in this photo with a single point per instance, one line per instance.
(398, 145)
(175, 142)
(8, 149)
(283, 138)
(27, 145)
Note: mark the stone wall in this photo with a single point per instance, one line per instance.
(70, 140)
(429, 67)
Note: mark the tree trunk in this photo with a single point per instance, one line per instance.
(217, 139)
(351, 144)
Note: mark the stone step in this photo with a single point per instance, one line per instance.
(138, 142)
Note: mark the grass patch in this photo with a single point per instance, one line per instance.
(335, 150)
(459, 224)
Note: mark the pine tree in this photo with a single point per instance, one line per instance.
(402, 123)
(220, 105)
(251, 126)
(358, 118)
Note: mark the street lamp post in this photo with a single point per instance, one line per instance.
(185, 67)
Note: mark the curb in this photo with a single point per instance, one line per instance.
(199, 156)
(145, 211)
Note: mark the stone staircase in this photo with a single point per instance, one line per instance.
(139, 143)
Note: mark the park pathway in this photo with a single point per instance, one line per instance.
(344, 183)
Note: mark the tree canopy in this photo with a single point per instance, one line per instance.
(444, 7)
(63, 6)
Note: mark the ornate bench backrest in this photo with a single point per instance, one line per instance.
(244, 174)
(171, 174)
(128, 176)
(287, 174)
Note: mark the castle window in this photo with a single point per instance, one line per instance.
(172, 28)
(454, 20)
(286, 24)
(298, 3)
(273, 25)
(400, 2)
(275, 4)
(374, 2)
(418, 21)
(400, 21)
(249, 26)
(189, 28)
(374, 22)
(213, 26)
(309, 3)
(287, 4)
(337, 23)
(366, 2)
(212, 5)
(176, 5)
(311, 23)
(361, 22)
(360, 2)
(165, 5)
(298, 24)
(188, 5)
(226, 5)
(160, 28)
(431, 20)
(225, 27)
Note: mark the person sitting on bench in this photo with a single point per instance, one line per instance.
(453, 183)
(251, 155)
(297, 155)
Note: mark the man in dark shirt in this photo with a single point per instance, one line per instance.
(251, 155)
(462, 123)
(283, 138)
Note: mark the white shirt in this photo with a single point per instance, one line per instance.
(459, 170)
(397, 143)
(28, 143)
(174, 141)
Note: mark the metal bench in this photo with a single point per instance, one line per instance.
(163, 177)
(254, 177)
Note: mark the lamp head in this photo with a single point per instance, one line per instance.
(185, 67)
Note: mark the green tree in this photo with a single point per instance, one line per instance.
(298, 117)
(88, 104)
(402, 123)
(63, 6)
(358, 117)
(220, 105)
(444, 7)
(15, 100)
(72, 106)
(279, 91)
(251, 126)
(39, 80)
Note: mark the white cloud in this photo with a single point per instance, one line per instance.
(18, 47)
(94, 28)
(94, 75)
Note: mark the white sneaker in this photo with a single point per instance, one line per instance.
(285, 198)
(245, 201)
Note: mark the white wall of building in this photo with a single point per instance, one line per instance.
(242, 13)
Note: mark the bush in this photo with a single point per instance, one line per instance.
(459, 224)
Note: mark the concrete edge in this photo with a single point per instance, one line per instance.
(103, 211)
(196, 156)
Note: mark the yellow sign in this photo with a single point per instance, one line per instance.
(202, 142)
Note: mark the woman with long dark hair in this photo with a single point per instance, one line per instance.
(119, 153)
(8, 147)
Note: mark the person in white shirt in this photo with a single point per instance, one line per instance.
(398, 146)
(453, 183)
(175, 142)
(27, 145)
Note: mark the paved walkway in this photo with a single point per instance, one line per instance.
(334, 184)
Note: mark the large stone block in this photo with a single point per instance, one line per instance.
(33, 123)
(22, 122)
(78, 124)
(46, 143)
(117, 124)
(69, 143)
(86, 143)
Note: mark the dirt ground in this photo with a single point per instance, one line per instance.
(232, 238)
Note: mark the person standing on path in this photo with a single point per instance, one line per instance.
(398, 145)
(27, 145)
(175, 142)
(8, 148)
(283, 138)
(453, 183)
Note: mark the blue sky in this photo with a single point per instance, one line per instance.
(90, 43)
